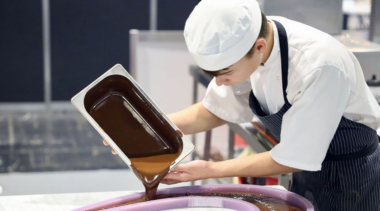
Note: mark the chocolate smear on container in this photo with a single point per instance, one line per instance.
(139, 130)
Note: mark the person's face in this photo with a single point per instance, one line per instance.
(244, 68)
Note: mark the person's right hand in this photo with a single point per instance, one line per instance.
(106, 144)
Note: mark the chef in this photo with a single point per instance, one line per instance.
(304, 86)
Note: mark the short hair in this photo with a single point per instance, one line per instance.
(262, 34)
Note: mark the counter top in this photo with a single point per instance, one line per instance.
(56, 202)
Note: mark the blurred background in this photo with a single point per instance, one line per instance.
(52, 49)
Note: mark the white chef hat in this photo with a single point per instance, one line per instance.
(219, 33)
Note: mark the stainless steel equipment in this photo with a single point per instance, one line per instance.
(78, 101)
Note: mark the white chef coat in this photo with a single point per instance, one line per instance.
(325, 81)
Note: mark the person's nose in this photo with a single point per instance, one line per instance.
(220, 80)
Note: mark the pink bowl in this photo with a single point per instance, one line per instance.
(199, 201)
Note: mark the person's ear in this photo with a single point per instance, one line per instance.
(261, 45)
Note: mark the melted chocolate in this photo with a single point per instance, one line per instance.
(139, 130)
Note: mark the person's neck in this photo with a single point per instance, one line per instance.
(270, 41)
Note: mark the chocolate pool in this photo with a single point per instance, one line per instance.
(235, 197)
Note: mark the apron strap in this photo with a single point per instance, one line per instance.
(284, 56)
(361, 153)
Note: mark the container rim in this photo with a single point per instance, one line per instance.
(118, 69)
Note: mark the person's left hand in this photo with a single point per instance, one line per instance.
(194, 170)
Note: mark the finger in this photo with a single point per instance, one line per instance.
(182, 177)
(180, 168)
(105, 142)
(172, 176)
(113, 152)
(165, 181)
(169, 182)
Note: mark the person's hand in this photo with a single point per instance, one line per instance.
(106, 144)
(194, 170)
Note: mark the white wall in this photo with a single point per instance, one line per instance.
(163, 71)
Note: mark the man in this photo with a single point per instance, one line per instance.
(305, 86)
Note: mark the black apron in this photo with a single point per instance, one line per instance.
(350, 174)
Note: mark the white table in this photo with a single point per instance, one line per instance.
(56, 202)
(61, 202)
